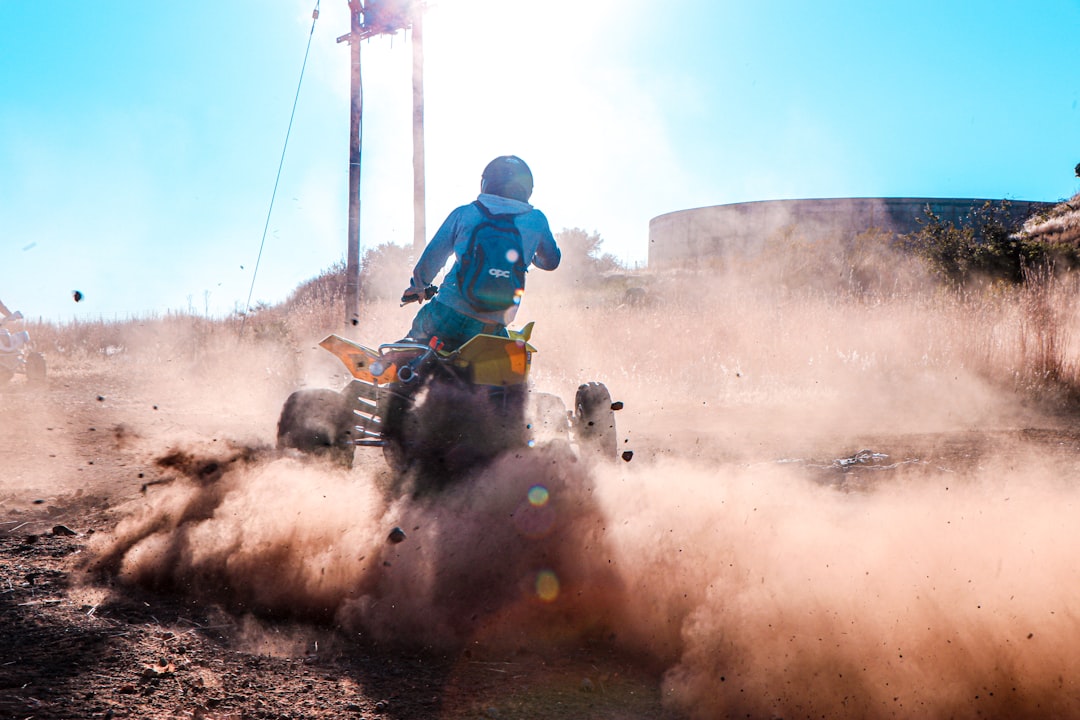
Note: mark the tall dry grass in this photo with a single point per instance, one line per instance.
(825, 335)
(806, 342)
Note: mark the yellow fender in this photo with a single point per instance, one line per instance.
(523, 334)
(496, 360)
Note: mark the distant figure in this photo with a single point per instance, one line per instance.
(1077, 169)
(494, 240)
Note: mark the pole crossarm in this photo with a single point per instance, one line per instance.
(380, 17)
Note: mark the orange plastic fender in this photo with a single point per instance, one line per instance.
(358, 359)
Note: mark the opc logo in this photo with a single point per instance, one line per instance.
(496, 272)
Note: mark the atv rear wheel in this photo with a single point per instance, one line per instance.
(594, 420)
(318, 422)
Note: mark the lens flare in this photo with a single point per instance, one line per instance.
(547, 585)
(538, 495)
(535, 517)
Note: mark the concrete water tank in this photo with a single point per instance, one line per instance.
(687, 236)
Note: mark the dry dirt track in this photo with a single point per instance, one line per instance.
(72, 647)
(75, 646)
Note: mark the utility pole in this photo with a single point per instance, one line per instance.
(419, 212)
(356, 113)
(367, 19)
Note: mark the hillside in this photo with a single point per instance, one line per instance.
(1060, 226)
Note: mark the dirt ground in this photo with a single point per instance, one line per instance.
(78, 644)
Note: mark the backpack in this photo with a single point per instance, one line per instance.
(491, 272)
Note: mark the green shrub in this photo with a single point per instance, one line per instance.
(989, 245)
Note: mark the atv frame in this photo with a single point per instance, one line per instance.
(441, 413)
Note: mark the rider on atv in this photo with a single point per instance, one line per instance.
(455, 393)
(494, 240)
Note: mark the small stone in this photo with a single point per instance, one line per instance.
(396, 535)
(63, 530)
(587, 685)
(628, 455)
(164, 667)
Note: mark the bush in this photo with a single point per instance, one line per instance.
(989, 245)
(581, 256)
(385, 271)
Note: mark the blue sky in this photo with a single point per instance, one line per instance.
(139, 141)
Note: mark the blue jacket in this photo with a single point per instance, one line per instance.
(453, 237)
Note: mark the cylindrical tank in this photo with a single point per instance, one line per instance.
(688, 236)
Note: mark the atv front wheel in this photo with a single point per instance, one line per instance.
(318, 422)
(594, 420)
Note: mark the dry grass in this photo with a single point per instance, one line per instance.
(748, 349)
(744, 324)
(819, 336)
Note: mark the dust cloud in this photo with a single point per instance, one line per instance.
(734, 552)
(497, 557)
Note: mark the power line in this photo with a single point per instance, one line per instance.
(281, 164)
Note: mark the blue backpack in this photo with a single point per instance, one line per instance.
(491, 273)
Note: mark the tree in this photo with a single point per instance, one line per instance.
(385, 271)
(581, 253)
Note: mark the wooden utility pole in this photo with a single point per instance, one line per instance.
(367, 19)
(352, 261)
(419, 230)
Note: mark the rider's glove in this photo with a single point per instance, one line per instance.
(418, 296)
(412, 295)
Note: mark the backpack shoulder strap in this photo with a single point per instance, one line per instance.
(493, 215)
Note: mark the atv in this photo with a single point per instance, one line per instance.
(438, 413)
(17, 355)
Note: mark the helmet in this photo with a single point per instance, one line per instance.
(508, 176)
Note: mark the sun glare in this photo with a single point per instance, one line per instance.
(519, 37)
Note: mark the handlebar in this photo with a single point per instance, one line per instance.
(429, 292)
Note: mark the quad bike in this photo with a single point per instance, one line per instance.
(439, 413)
(17, 355)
